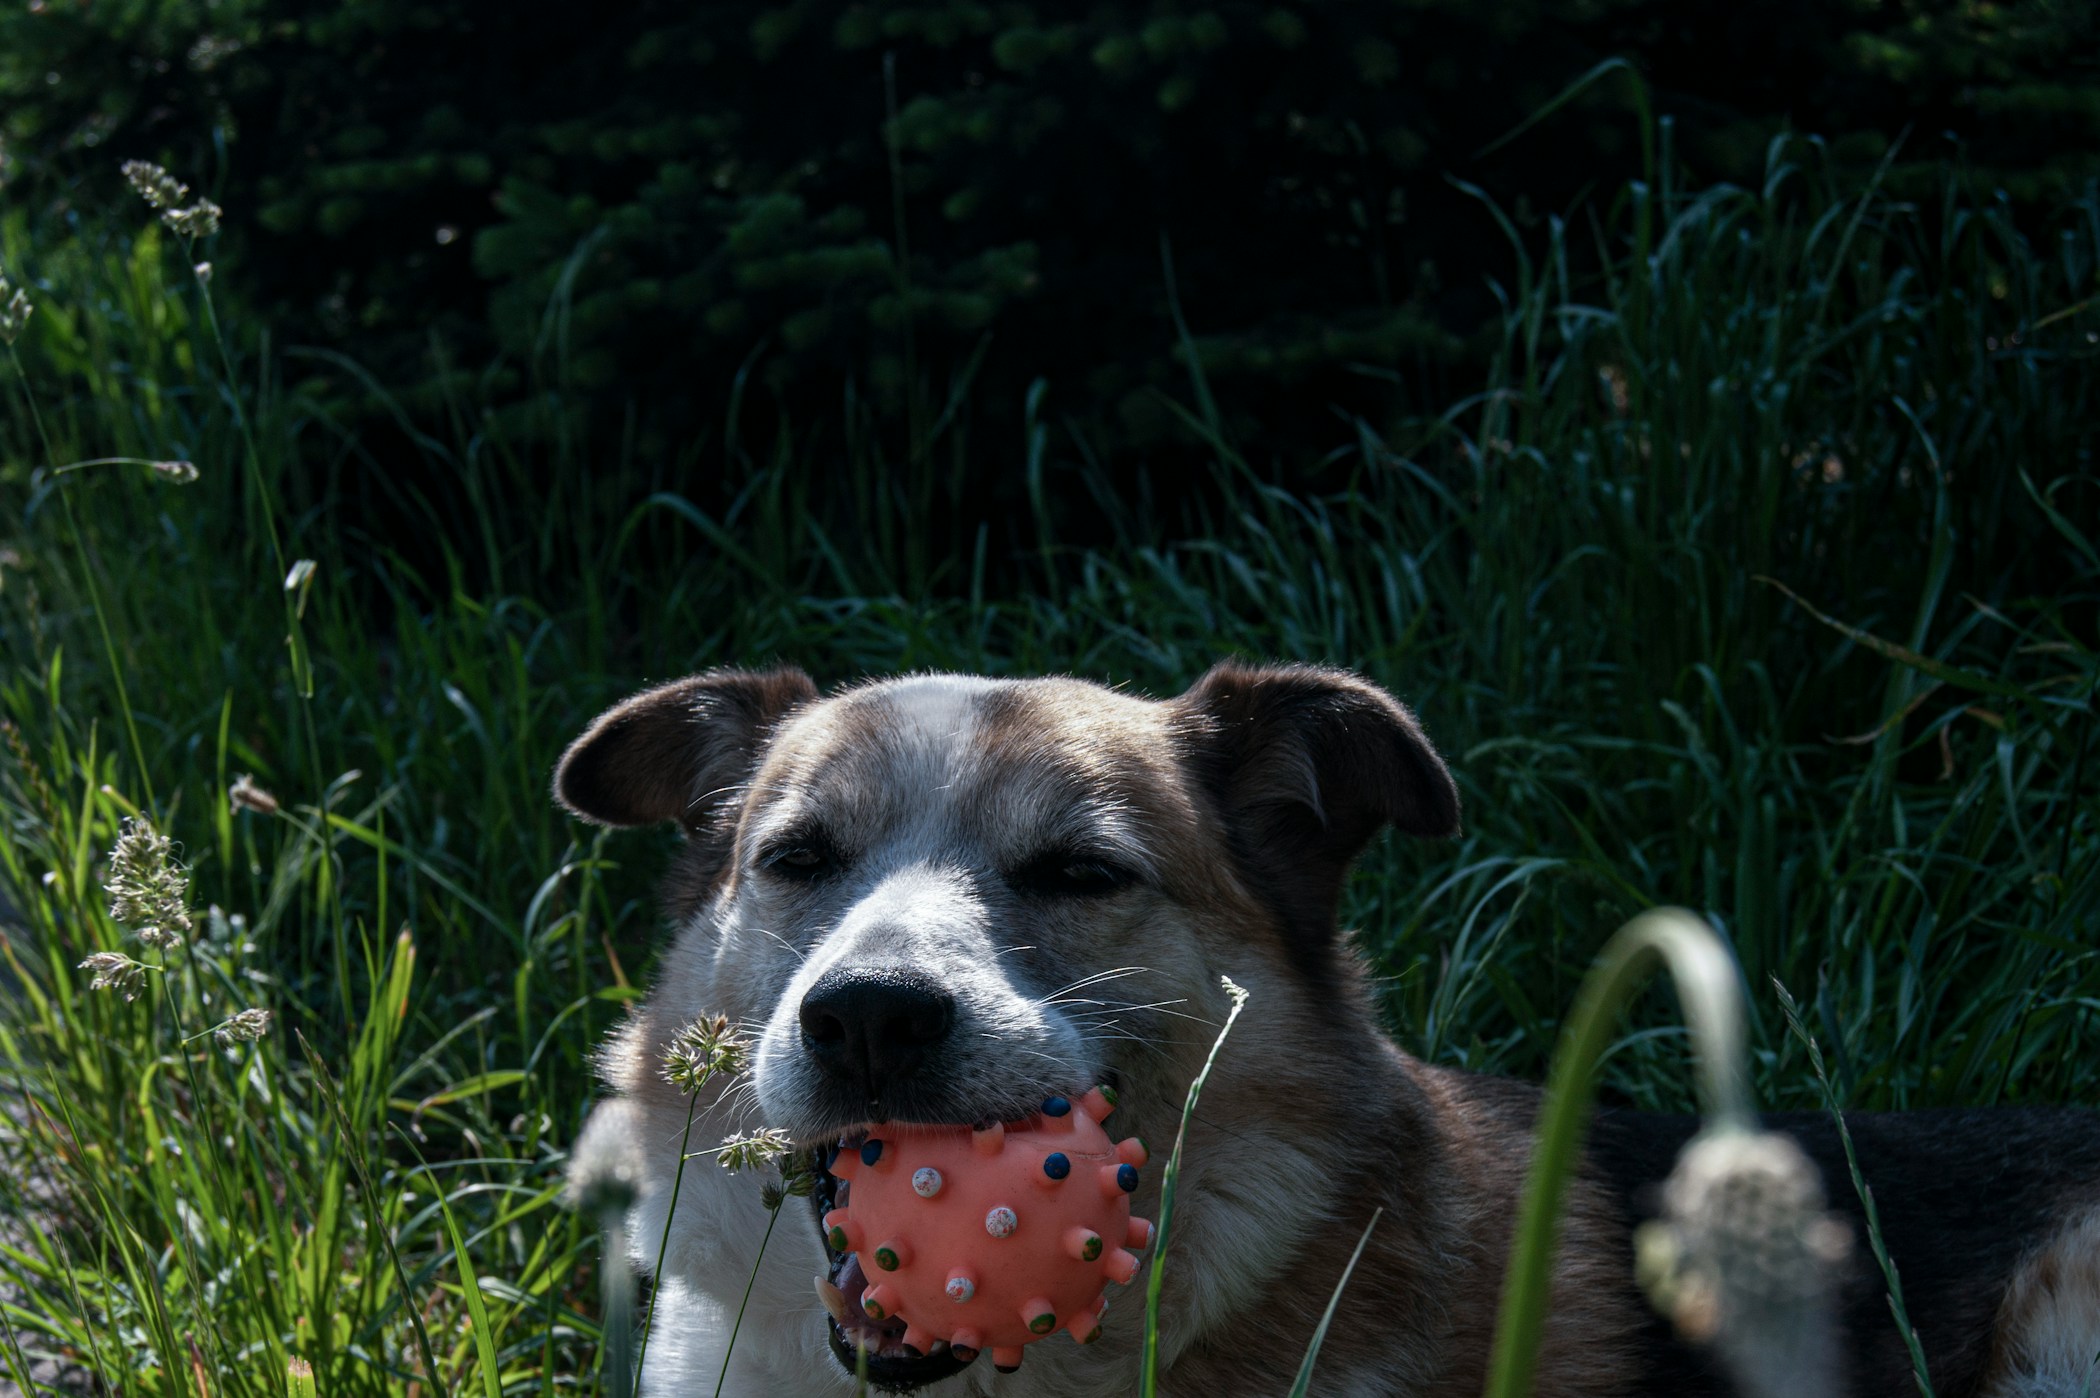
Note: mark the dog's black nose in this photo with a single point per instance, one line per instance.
(874, 1025)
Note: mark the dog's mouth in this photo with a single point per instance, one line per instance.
(891, 1365)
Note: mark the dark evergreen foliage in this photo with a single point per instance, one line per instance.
(928, 208)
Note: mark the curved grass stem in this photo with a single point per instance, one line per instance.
(1712, 997)
(1167, 1181)
(663, 1242)
(749, 1282)
(87, 575)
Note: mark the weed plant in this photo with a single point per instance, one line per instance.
(1758, 576)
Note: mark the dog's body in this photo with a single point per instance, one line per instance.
(944, 899)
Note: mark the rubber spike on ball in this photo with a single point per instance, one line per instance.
(1118, 1179)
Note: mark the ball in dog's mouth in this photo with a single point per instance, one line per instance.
(892, 1366)
(1055, 1162)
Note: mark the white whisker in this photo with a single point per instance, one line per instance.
(1095, 979)
(800, 954)
(1119, 1006)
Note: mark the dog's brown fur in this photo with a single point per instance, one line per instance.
(1254, 792)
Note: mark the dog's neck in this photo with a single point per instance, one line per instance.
(1272, 1161)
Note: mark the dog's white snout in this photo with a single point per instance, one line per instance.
(904, 1011)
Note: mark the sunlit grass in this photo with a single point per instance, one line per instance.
(1758, 577)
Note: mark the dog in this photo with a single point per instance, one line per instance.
(944, 899)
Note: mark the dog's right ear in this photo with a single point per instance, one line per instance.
(679, 751)
(1305, 765)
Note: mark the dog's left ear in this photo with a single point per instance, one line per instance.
(1306, 765)
(680, 752)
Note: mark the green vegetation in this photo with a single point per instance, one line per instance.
(884, 212)
(1756, 572)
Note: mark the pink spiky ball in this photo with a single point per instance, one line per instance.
(993, 1238)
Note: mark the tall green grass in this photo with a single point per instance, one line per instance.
(1758, 575)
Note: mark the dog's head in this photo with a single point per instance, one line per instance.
(943, 899)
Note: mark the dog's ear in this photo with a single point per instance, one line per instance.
(678, 751)
(1306, 765)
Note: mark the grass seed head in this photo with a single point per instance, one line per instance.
(155, 185)
(164, 192)
(113, 970)
(701, 1050)
(749, 1150)
(244, 1028)
(798, 1180)
(147, 886)
(1744, 1259)
(199, 220)
(298, 579)
(605, 1170)
(175, 472)
(245, 795)
(14, 310)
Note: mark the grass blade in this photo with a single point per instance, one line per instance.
(375, 1217)
(477, 1309)
(1866, 1196)
(1903, 655)
(1303, 1384)
(1150, 1383)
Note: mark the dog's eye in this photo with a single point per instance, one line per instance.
(800, 860)
(1071, 876)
